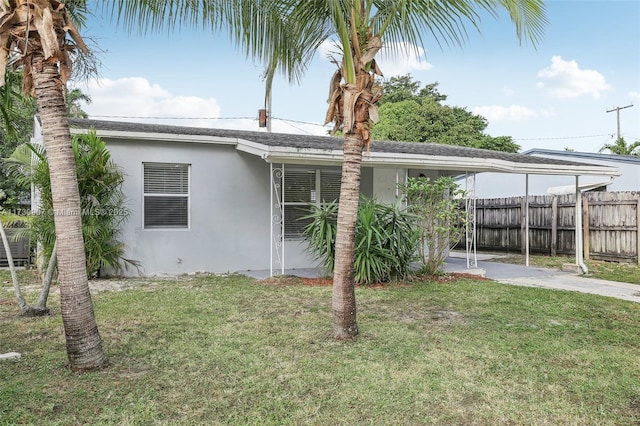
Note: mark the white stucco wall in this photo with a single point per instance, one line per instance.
(229, 202)
(230, 211)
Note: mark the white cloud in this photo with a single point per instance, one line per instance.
(634, 95)
(495, 113)
(128, 99)
(135, 99)
(393, 59)
(402, 58)
(564, 79)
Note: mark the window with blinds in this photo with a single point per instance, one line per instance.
(303, 187)
(166, 195)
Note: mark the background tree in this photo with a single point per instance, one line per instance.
(620, 147)
(18, 112)
(408, 113)
(74, 107)
(16, 127)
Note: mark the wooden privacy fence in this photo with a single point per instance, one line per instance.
(611, 222)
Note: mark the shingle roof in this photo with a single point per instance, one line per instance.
(319, 142)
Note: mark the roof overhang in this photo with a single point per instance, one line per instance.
(288, 155)
(331, 156)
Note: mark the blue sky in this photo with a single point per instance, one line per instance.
(554, 96)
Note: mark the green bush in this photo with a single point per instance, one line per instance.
(99, 183)
(385, 246)
(439, 217)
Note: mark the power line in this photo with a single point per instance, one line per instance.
(173, 118)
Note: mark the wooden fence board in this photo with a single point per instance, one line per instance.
(611, 223)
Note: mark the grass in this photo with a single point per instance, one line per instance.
(230, 350)
(611, 271)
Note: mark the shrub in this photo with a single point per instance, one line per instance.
(99, 184)
(385, 246)
(438, 216)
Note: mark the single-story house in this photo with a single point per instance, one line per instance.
(218, 200)
(494, 185)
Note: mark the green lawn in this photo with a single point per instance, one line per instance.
(231, 350)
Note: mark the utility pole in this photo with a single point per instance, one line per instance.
(617, 110)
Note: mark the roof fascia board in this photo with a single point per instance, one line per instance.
(471, 164)
(158, 137)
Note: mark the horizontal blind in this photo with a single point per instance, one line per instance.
(161, 178)
(299, 186)
(303, 187)
(330, 185)
(166, 195)
(294, 223)
(166, 212)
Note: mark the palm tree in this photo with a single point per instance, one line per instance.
(40, 37)
(620, 147)
(361, 28)
(73, 99)
(287, 33)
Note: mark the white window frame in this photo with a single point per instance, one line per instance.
(315, 196)
(154, 194)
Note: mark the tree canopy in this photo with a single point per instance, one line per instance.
(410, 113)
(620, 147)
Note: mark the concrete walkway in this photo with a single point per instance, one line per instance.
(544, 278)
(515, 275)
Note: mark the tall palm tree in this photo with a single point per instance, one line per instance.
(361, 28)
(287, 33)
(39, 36)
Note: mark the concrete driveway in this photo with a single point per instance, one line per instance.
(542, 277)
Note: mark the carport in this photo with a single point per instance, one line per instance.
(412, 159)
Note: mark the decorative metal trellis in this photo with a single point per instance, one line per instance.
(470, 225)
(277, 219)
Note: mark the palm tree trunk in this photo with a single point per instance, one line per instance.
(41, 304)
(22, 302)
(84, 345)
(344, 298)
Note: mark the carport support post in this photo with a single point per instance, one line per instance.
(526, 220)
(578, 231)
(270, 219)
(282, 230)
